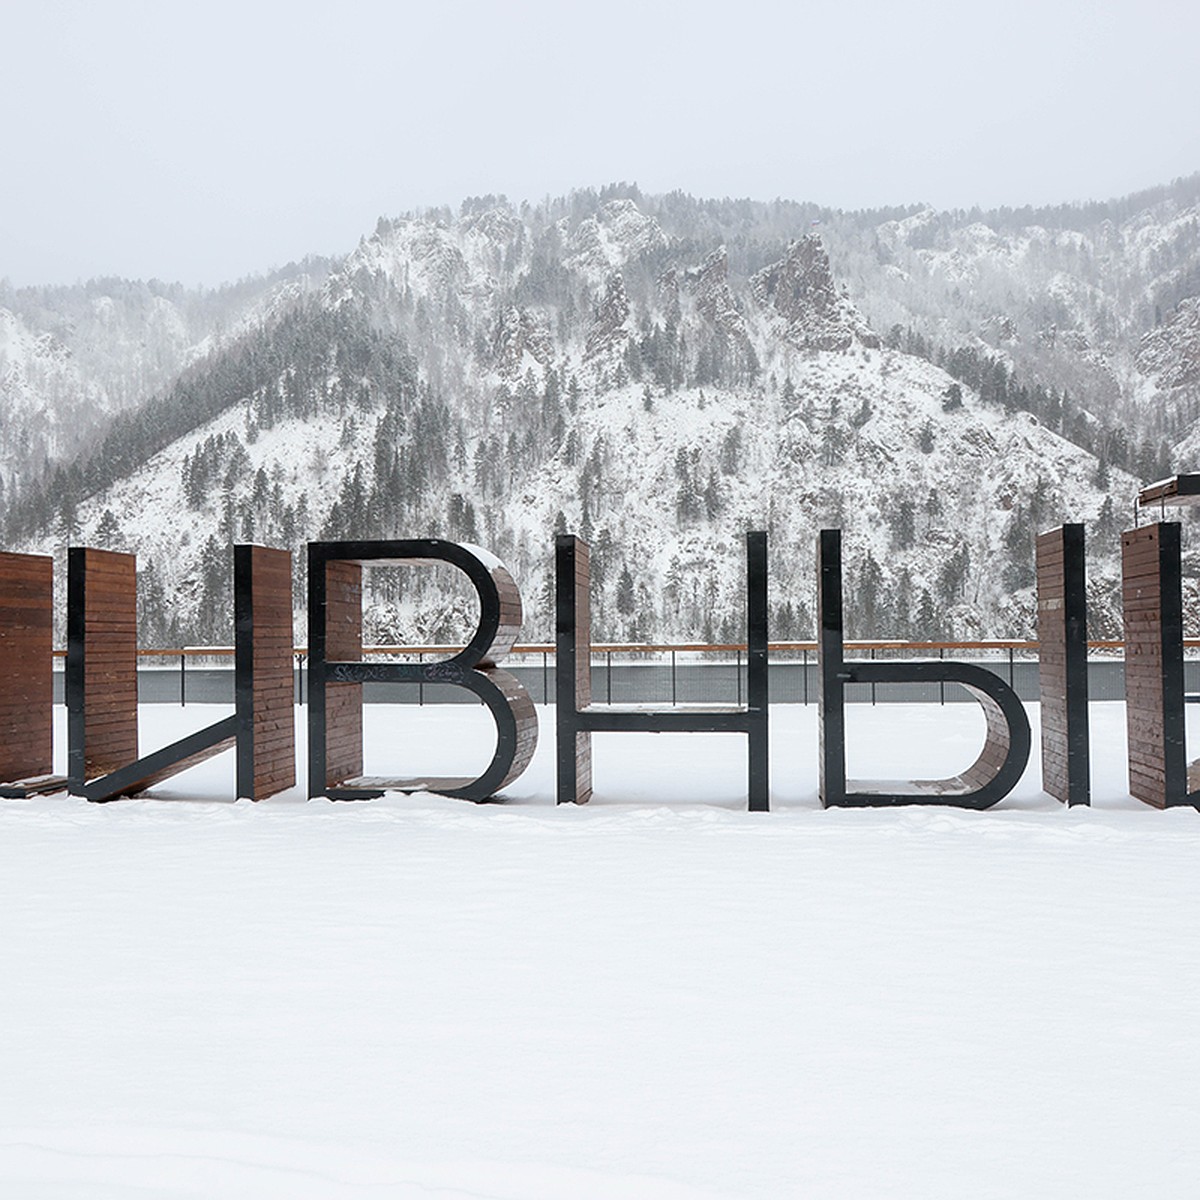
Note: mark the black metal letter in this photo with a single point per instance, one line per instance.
(577, 718)
(1006, 748)
(335, 646)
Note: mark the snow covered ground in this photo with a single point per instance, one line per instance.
(657, 995)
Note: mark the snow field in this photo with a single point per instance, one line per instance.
(656, 995)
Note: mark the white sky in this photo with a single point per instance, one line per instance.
(206, 142)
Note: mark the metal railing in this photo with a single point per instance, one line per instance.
(679, 673)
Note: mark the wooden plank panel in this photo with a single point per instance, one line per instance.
(1153, 664)
(272, 716)
(1062, 664)
(343, 701)
(110, 661)
(26, 665)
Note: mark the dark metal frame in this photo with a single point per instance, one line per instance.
(750, 718)
(471, 668)
(835, 673)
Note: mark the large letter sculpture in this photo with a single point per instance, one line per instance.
(336, 673)
(1006, 747)
(1062, 664)
(577, 718)
(26, 676)
(101, 681)
(1153, 602)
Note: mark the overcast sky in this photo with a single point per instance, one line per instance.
(204, 142)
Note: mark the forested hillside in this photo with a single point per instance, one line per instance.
(659, 374)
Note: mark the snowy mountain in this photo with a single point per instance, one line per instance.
(72, 358)
(1064, 296)
(659, 375)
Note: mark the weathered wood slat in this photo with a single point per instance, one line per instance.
(1151, 593)
(1062, 664)
(267, 755)
(343, 623)
(109, 650)
(26, 665)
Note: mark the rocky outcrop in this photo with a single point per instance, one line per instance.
(800, 289)
(715, 302)
(437, 261)
(709, 283)
(499, 225)
(517, 334)
(618, 233)
(609, 330)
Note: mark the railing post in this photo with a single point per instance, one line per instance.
(608, 674)
(739, 677)
(420, 684)
(1010, 666)
(673, 689)
(805, 674)
(182, 679)
(545, 678)
(941, 683)
(872, 681)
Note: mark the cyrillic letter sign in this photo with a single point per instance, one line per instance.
(101, 682)
(578, 718)
(1006, 747)
(336, 673)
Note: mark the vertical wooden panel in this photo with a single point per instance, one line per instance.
(1062, 663)
(510, 617)
(343, 634)
(1153, 604)
(102, 661)
(583, 624)
(26, 665)
(266, 710)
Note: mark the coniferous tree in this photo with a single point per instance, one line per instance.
(626, 595)
(108, 532)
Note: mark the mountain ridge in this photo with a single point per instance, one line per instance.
(508, 372)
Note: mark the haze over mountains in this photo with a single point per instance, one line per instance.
(658, 374)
